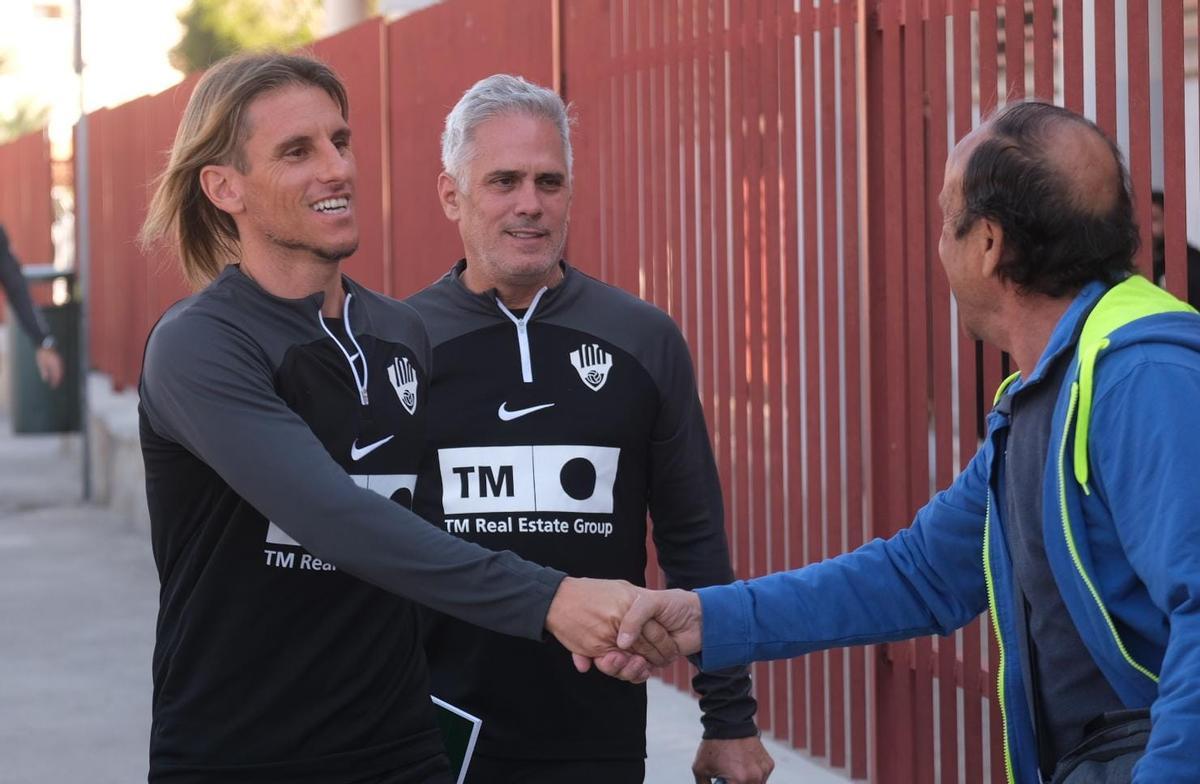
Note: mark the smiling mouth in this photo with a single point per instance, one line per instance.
(526, 234)
(334, 206)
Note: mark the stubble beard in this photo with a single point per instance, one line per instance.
(331, 255)
(528, 275)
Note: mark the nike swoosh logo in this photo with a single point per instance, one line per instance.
(357, 454)
(509, 416)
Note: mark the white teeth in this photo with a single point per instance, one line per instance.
(328, 205)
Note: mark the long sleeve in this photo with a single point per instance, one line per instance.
(17, 291)
(208, 387)
(926, 579)
(1145, 456)
(689, 531)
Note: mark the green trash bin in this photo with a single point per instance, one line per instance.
(35, 407)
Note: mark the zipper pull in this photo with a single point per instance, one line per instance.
(362, 395)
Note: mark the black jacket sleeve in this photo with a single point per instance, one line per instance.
(689, 525)
(18, 293)
(207, 386)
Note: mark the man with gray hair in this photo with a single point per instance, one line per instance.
(561, 411)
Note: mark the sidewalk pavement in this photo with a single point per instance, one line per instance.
(78, 597)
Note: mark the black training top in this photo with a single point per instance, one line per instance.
(278, 656)
(551, 433)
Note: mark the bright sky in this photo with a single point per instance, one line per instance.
(125, 44)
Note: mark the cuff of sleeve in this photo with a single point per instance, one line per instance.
(744, 729)
(548, 580)
(726, 637)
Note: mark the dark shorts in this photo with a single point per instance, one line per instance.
(496, 770)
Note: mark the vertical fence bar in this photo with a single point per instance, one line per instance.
(1174, 151)
(1014, 49)
(988, 97)
(894, 687)
(707, 252)
(723, 142)
(685, 136)
(1072, 54)
(916, 316)
(749, 303)
(799, 417)
(737, 313)
(855, 404)
(676, 123)
(1043, 50)
(98, 329)
(791, 672)
(831, 459)
(1137, 23)
(136, 293)
(989, 100)
(1106, 67)
(813, 664)
(656, 182)
(773, 527)
(939, 310)
(973, 688)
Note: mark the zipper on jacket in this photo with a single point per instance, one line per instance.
(360, 383)
(523, 334)
(1070, 537)
(991, 597)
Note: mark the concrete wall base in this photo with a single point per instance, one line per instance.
(118, 475)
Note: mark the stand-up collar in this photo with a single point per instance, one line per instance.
(488, 301)
(233, 275)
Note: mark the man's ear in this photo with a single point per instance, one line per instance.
(223, 186)
(448, 195)
(991, 236)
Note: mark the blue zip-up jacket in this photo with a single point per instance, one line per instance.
(1121, 527)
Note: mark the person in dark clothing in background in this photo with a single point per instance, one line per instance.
(49, 362)
(1158, 245)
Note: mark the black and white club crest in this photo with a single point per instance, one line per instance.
(404, 380)
(592, 363)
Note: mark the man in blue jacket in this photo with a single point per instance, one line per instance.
(1083, 497)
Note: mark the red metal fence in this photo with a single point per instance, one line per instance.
(766, 171)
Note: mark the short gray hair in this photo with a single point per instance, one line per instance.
(493, 96)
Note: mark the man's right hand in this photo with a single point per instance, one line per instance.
(585, 615)
(50, 366)
(674, 613)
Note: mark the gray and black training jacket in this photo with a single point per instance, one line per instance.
(281, 451)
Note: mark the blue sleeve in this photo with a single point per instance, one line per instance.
(926, 579)
(1145, 452)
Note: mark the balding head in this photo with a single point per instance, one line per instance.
(1057, 187)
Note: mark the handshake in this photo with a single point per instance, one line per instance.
(623, 630)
